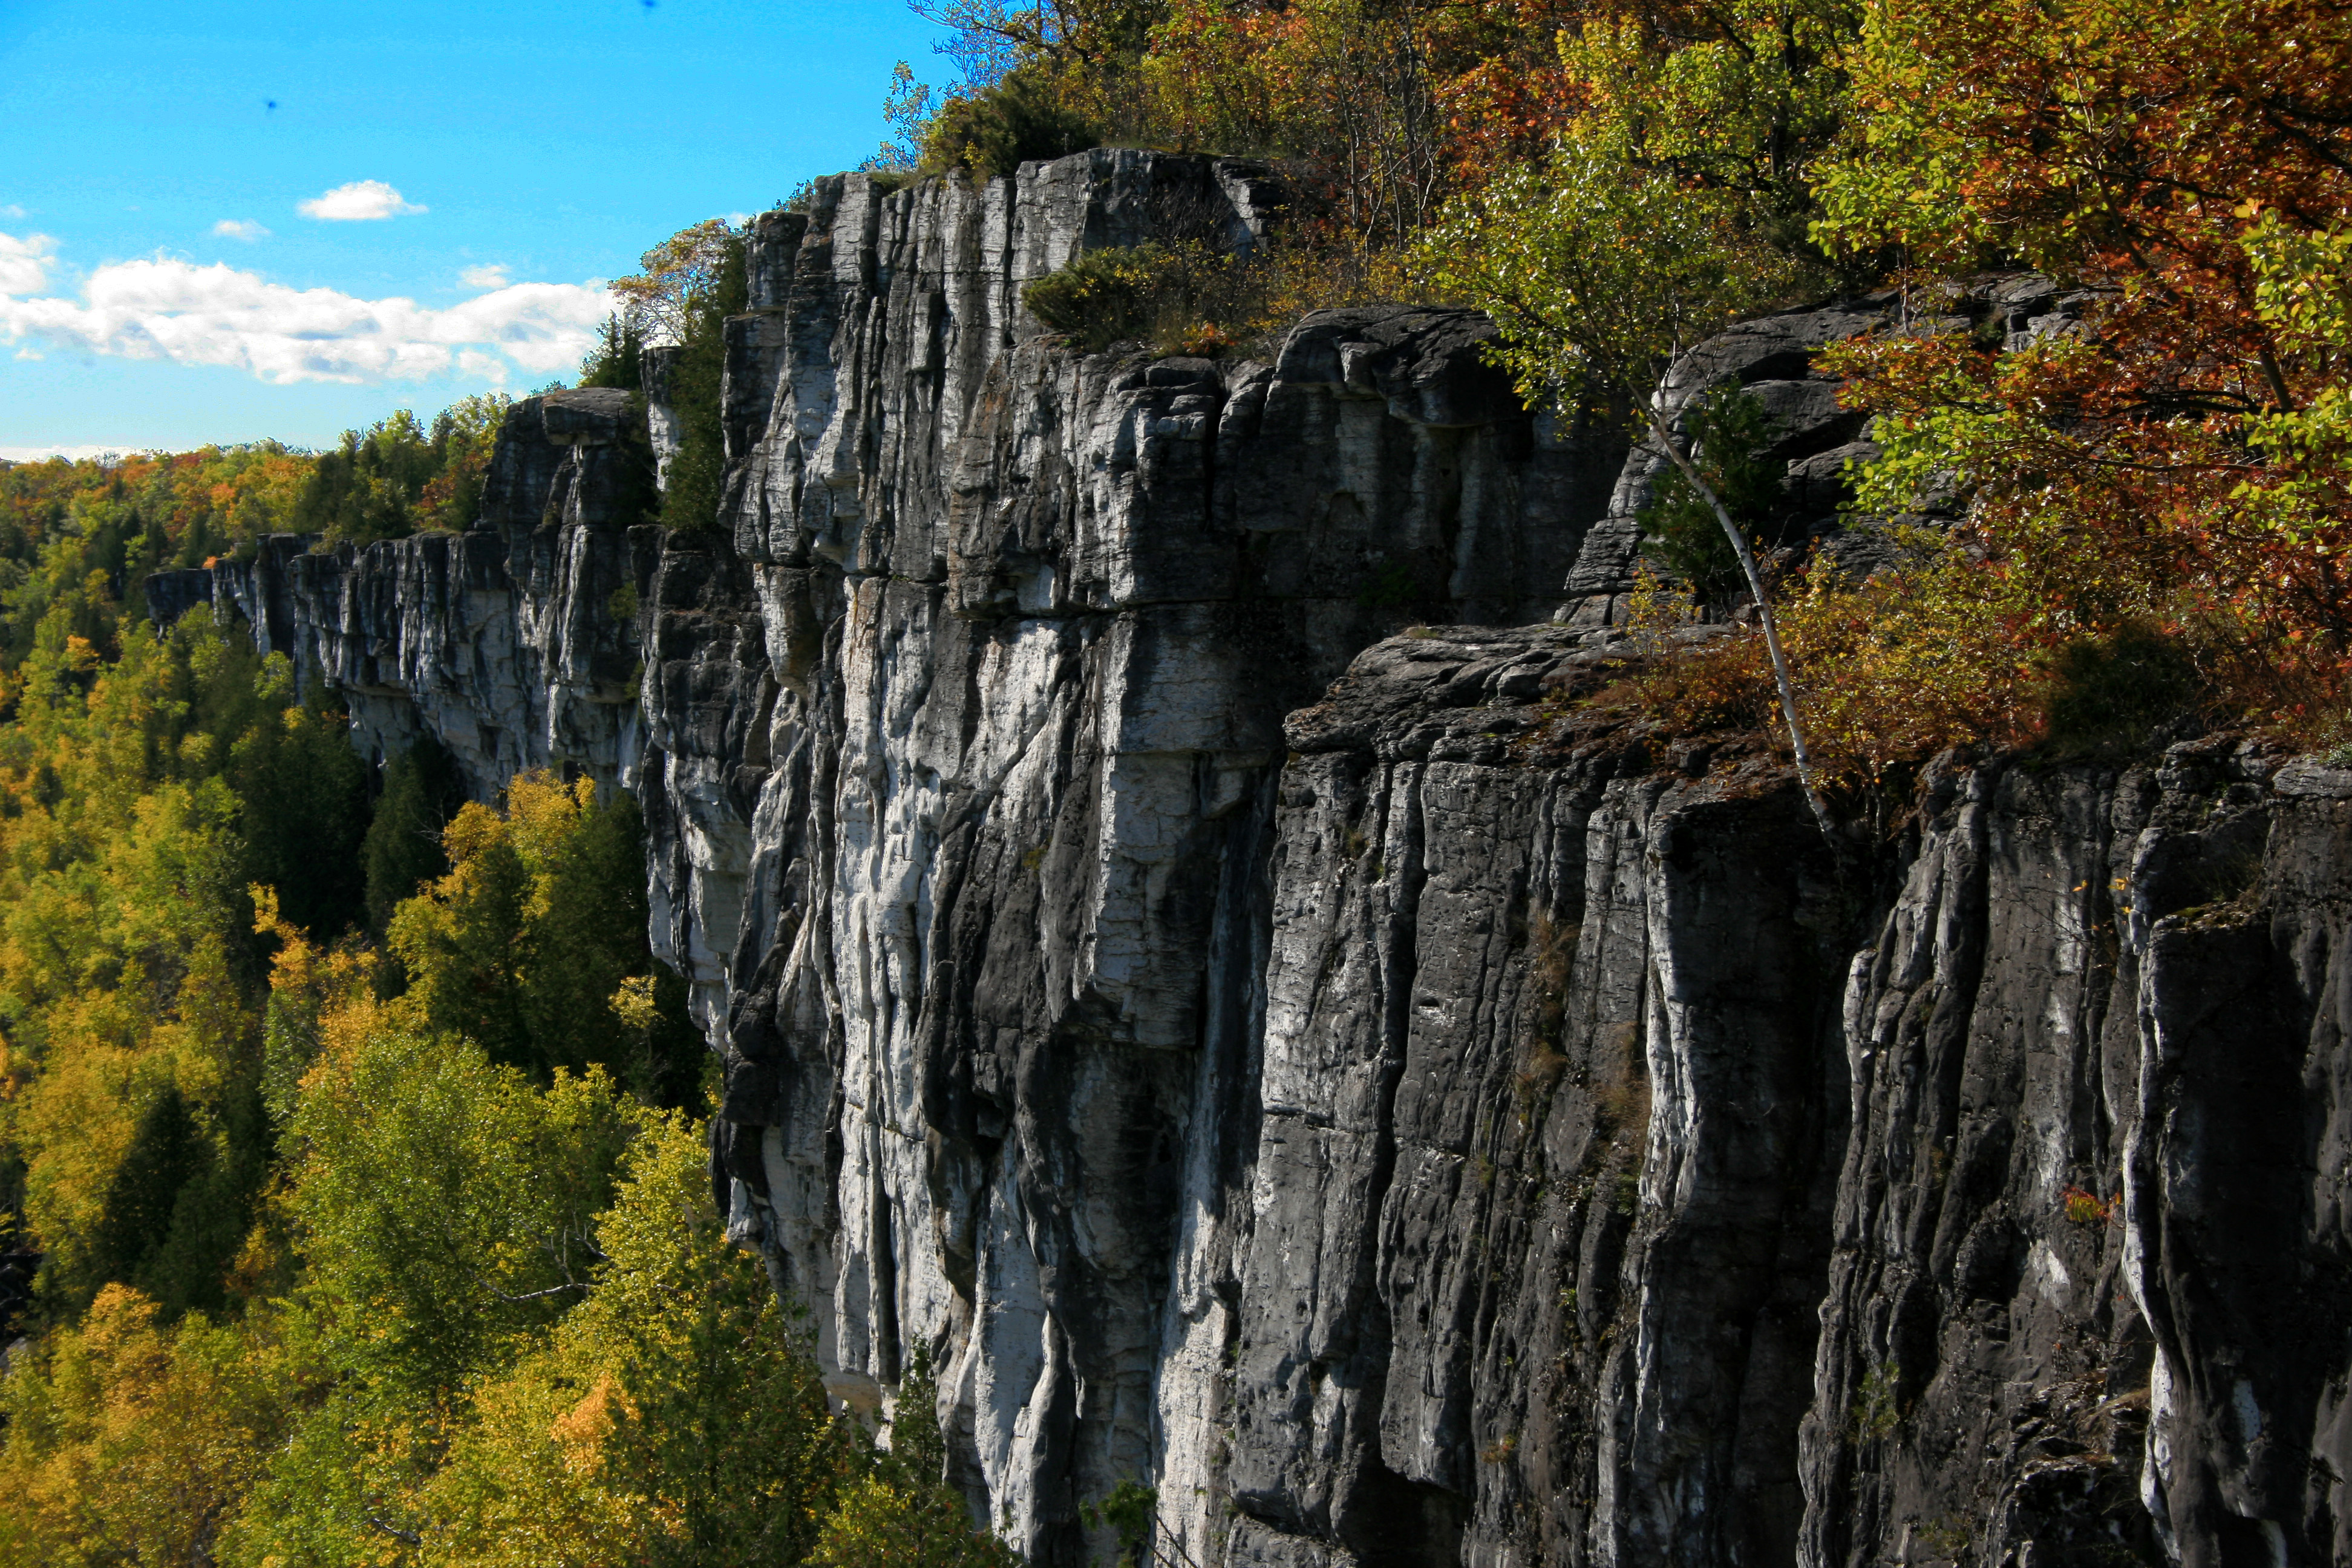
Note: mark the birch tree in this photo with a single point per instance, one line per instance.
(1602, 276)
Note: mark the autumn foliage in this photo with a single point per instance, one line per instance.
(2168, 454)
(2176, 456)
(358, 1251)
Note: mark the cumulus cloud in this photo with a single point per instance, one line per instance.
(71, 454)
(493, 276)
(358, 202)
(243, 228)
(164, 308)
(24, 263)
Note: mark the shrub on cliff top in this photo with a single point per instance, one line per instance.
(1103, 296)
(994, 130)
(1188, 297)
(2105, 695)
(617, 359)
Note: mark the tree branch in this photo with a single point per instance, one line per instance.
(410, 1536)
(1780, 680)
(535, 1295)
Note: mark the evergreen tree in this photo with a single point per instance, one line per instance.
(304, 814)
(616, 359)
(697, 473)
(401, 850)
(166, 1153)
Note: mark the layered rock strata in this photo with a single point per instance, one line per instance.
(1178, 950)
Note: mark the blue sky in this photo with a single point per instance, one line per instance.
(473, 172)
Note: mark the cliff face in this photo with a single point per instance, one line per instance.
(1174, 950)
(1650, 1189)
(515, 644)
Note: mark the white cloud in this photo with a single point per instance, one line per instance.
(243, 228)
(165, 308)
(71, 454)
(24, 263)
(11, 210)
(358, 202)
(493, 276)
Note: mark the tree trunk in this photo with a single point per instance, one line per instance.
(1787, 689)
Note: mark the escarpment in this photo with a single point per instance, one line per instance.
(1176, 951)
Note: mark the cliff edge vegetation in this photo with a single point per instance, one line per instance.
(2159, 466)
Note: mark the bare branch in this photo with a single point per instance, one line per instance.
(410, 1536)
(1788, 690)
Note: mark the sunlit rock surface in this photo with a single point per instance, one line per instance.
(1177, 951)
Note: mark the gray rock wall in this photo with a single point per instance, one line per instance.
(515, 643)
(967, 753)
(1176, 950)
(1639, 1186)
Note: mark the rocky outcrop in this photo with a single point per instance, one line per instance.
(1639, 1186)
(514, 643)
(1815, 441)
(1539, 1191)
(2089, 1296)
(967, 753)
(1178, 949)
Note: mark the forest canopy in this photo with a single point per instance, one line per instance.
(369, 1190)
(62, 519)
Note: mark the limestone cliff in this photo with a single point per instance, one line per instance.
(1175, 951)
